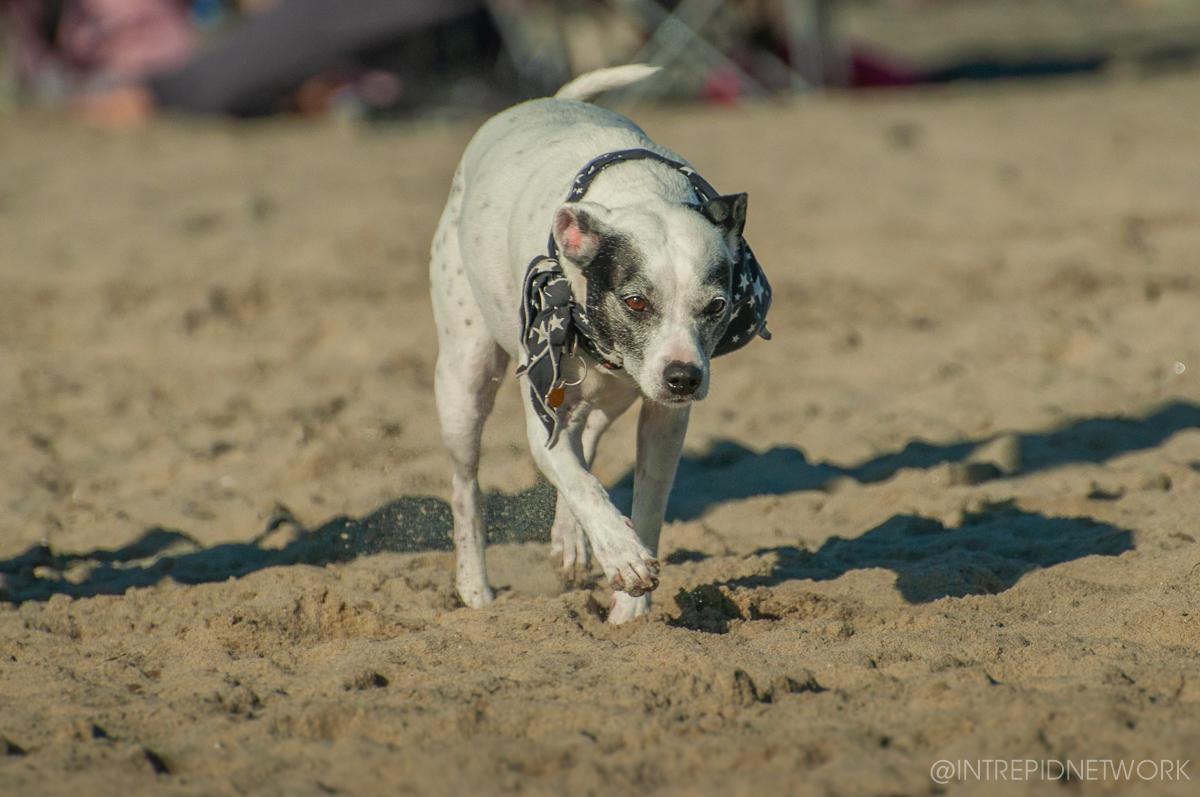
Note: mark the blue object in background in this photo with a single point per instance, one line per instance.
(207, 15)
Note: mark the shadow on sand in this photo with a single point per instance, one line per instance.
(986, 554)
(730, 471)
(409, 524)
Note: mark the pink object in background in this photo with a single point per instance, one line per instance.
(105, 41)
(873, 69)
(126, 39)
(722, 87)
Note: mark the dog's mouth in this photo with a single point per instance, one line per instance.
(677, 401)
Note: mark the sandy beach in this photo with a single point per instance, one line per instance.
(948, 513)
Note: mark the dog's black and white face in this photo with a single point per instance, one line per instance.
(658, 279)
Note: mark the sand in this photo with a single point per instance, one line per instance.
(949, 512)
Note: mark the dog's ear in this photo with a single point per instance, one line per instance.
(728, 213)
(577, 230)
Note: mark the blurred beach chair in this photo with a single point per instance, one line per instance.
(692, 40)
(532, 32)
(677, 37)
(677, 45)
(815, 56)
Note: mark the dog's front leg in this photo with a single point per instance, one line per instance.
(568, 543)
(627, 563)
(661, 430)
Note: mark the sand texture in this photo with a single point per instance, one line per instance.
(949, 512)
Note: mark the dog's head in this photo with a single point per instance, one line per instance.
(658, 285)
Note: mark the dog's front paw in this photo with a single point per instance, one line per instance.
(630, 567)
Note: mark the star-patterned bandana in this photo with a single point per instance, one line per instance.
(553, 323)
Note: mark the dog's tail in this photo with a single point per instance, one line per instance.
(587, 86)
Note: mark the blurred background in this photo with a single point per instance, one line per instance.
(119, 61)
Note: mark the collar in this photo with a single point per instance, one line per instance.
(553, 323)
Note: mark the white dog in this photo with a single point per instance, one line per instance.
(631, 289)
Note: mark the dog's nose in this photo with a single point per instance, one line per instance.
(683, 378)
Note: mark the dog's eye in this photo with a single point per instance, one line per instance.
(715, 307)
(636, 303)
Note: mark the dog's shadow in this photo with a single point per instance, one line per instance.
(410, 524)
(988, 553)
(985, 554)
(730, 471)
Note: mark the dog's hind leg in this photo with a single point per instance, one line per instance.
(468, 375)
(661, 430)
(569, 547)
(470, 367)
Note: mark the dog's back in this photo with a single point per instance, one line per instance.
(527, 142)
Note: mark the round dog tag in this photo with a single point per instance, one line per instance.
(555, 397)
